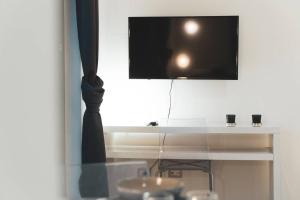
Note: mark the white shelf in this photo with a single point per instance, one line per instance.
(192, 129)
(186, 152)
(187, 127)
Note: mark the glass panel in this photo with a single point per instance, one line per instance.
(100, 180)
(191, 151)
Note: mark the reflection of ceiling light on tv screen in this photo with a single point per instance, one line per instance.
(183, 60)
(191, 27)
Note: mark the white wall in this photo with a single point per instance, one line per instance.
(269, 71)
(31, 100)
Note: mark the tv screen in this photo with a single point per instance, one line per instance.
(203, 47)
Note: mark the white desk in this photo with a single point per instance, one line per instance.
(187, 152)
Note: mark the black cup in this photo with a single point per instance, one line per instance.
(256, 119)
(230, 119)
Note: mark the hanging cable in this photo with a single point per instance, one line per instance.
(169, 112)
(165, 134)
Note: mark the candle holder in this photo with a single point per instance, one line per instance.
(256, 120)
(230, 120)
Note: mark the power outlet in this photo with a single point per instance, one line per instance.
(175, 173)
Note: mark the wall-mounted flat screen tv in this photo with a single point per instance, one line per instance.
(195, 47)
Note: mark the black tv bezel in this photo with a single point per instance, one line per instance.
(234, 77)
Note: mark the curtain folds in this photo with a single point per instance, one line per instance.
(93, 146)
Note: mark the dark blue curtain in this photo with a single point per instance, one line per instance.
(93, 146)
(93, 179)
